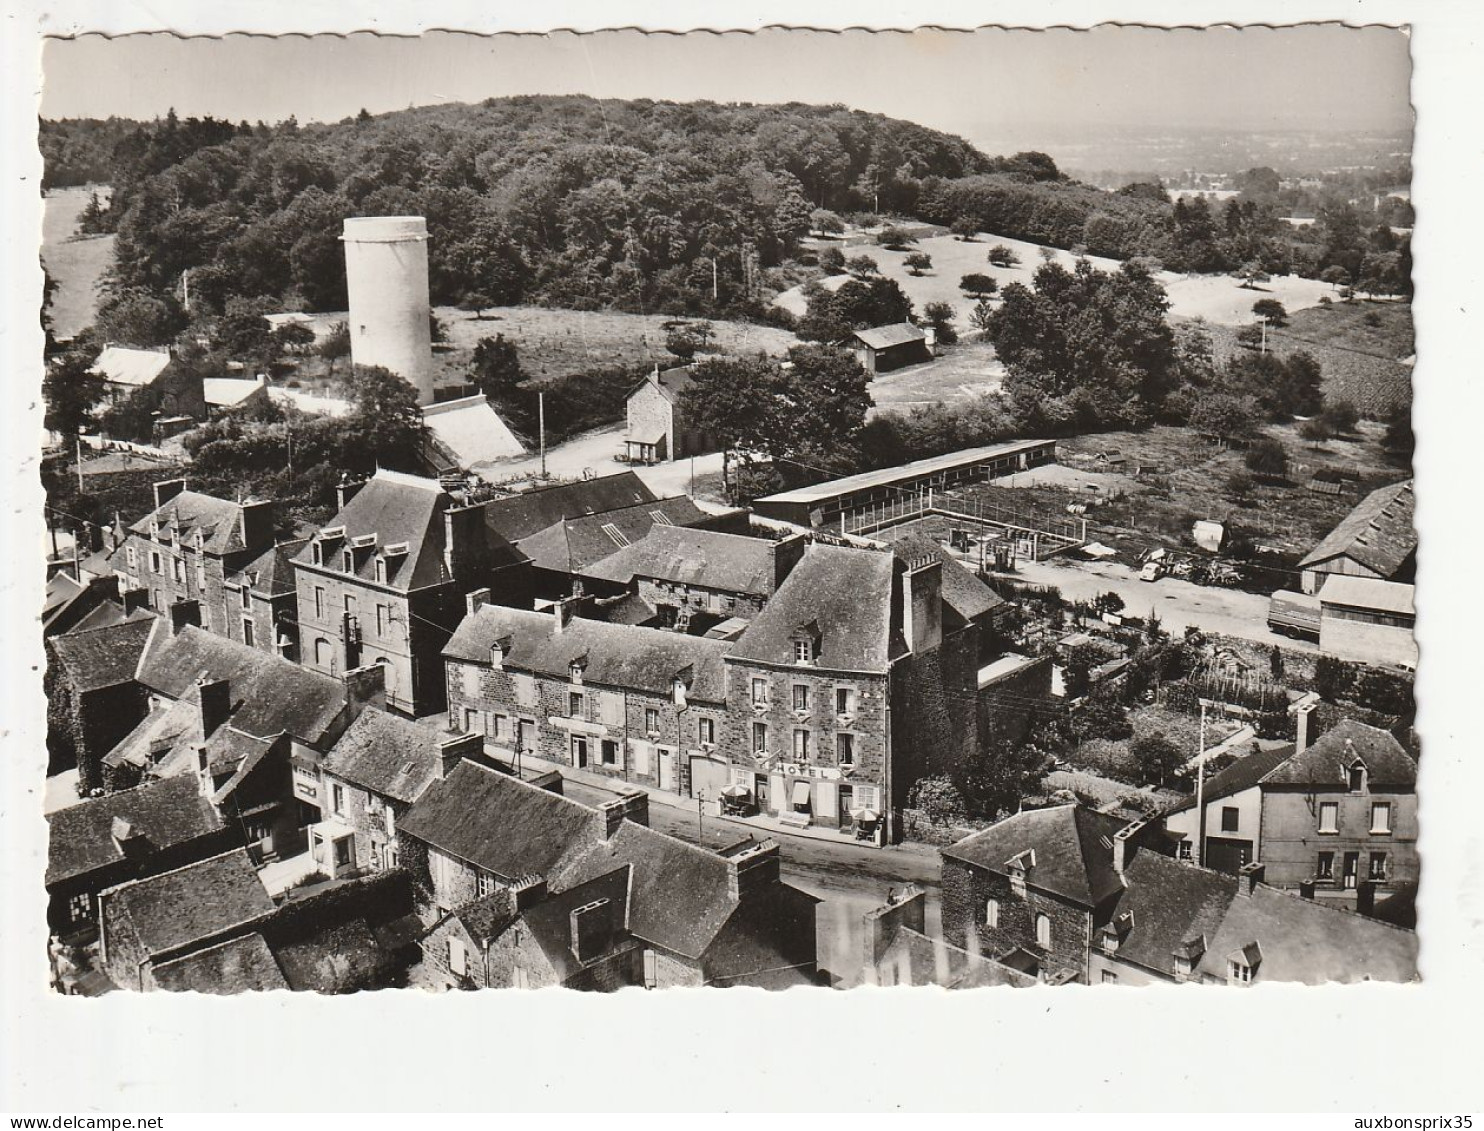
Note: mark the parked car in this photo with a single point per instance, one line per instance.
(1152, 571)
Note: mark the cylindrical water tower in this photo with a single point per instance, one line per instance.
(386, 275)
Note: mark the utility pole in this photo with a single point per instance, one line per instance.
(693, 476)
(701, 816)
(1263, 319)
(715, 290)
(1200, 795)
(80, 488)
(541, 417)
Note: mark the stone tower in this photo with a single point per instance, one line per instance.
(386, 274)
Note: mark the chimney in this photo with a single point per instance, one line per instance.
(128, 839)
(183, 613)
(256, 524)
(564, 610)
(592, 929)
(463, 538)
(922, 604)
(930, 339)
(631, 805)
(365, 687)
(1303, 726)
(346, 490)
(215, 696)
(1306, 889)
(753, 869)
(134, 599)
(167, 490)
(908, 909)
(1365, 897)
(1122, 840)
(114, 541)
(454, 748)
(787, 553)
(528, 891)
(1249, 877)
(475, 601)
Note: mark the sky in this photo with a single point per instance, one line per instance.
(980, 85)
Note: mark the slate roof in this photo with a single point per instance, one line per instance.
(1071, 860)
(240, 965)
(963, 592)
(550, 920)
(270, 695)
(162, 740)
(471, 431)
(522, 515)
(217, 520)
(708, 559)
(271, 573)
(108, 613)
(501, 824)
(125, 366)
(572, 544)
(398, 508)
(166, 814)
(1306, 941)
(224, 392)
(670, 382)
(1242, 774)
(336, 959)
(1379, 533)
(896, 334)
(487, 917)
(1325, 762)
(174, 909)
(387, 755)
(1171, 904)
(847, 595)
(615, 655)
(1368, 593)
(103, 657)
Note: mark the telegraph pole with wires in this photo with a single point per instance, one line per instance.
(541, 425)
(1200, 795)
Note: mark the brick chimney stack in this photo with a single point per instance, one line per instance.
(475, 601)
(1123, 839)
(215, 696)
(167, 490)
(364, 687)
(922, 604)
(1304, 727)
(631, 805)
(1249, 877)
(184, 613)
(455, 748)
(753, 869)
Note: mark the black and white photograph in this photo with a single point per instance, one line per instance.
(796, 510)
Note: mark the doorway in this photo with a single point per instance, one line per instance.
(579, 751)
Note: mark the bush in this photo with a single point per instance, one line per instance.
(938, 799)
(895, 238)
(1340, 417)
(1267, 458)
(1002, 256)
(832, 261)
(1333, 678)
(1158, 759)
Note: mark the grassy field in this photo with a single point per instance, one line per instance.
(75, 262)
(1365, 365)
(1217, 298)
(1184, 477)
(969, 369)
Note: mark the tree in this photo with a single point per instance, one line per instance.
(832, 261)
(978, 286)
(1267, 458)
(135, 317)
(386, 417)
(477, 302)
(1230, 419)
(95, 218)
(437, 332)
(825, 222)
(982, 316)
(1340, 417)
(894, 238)
(1398, 442)
(293, 337)
(940, 316)
(1157, 758)
(965, 228)
(1002, 256)
(938, 799)
(862, 266)
(1272, 310)
(1335, 276)
(1315, 431)
(1239, 484)
(70, 391)
(335, 345)
(496, 370)
(917, 263)
(1251, 273)
(686, 339)
(1275, 664)
(994, 780)
(1250, 336)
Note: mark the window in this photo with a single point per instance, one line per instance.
(348, 560)
(574, 704)
(1350, 869)
(1183, 850)
(337, 798)
(1329, 816)
(383, 615)
(652, 720)
(844, 701)
(381, 570)
(845, 749)
(1377, 869)
(1231, 818)
(1110, 978)
(246, 595)
(1380, 817)
(130, 555)
(80, 907)
(801, 697)
(1324, 869)
(321, 653)
(759, 690)
(350, 605)
(651, 970)
(499, 726)
(247, 637)
(154, 562)
(456, 959)
(803, 651)
(201, 577)
(992, 914)
(1238, 973)
(1183, 966)
(759, 738)
(610, 752)
(520, 980)
(1357, 778)
(706, 731)
(1043, 930)
(801, 745)
(319, 602)
(177, 568)
(485, 884)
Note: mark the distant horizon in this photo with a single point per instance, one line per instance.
(1309, 79)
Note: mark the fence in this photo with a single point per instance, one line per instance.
(1037, 536)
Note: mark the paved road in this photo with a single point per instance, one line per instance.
(849, 879)
(1179, 603)
(594, 452)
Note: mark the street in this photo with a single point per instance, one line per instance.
(1232, 612)
(850, 879)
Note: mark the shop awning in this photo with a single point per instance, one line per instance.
(866, 815)
(736, 790)
(800, 793)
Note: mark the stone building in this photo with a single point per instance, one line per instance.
(637, 704)
(1378, 539)
(384, 583)
(658, 427)
(92, 697)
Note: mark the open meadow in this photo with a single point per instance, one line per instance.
(76, 263)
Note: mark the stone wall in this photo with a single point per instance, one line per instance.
(966, 892)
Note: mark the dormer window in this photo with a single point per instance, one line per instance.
(316, 554)
(381, 570)
(803, 650)
(677, 692)
(348, 561)
(575, 670)
(1241, 965)
(1016, 869)
(1183, 965)
(1238, 973)
(1357, 777)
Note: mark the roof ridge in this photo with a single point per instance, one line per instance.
(241, 848)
